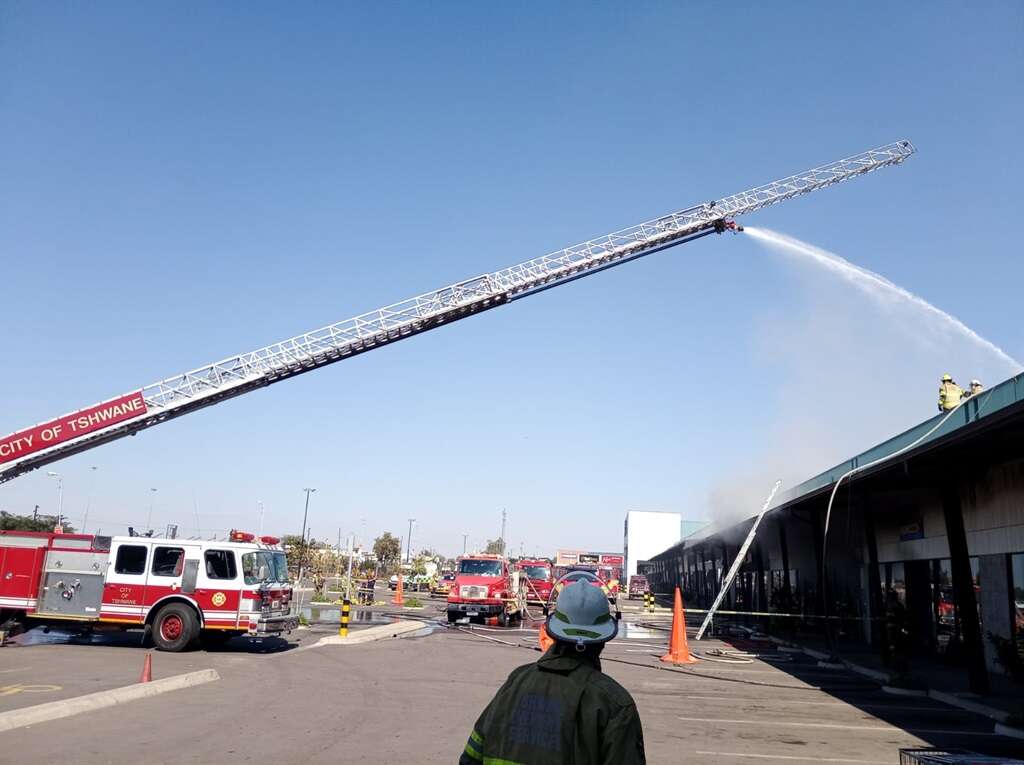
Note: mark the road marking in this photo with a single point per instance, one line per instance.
(792, 757)
(834, 726)
(10, 690)
(55, 710)
(720, 668)
(773, 701)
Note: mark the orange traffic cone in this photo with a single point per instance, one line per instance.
(399, 599)
(147, 669)
(545, 640)
(678, 648)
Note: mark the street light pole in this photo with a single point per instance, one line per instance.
(305, 516)
(408, 542)
(149, 520)
(88, 501)
(348, 586)
(60, 495)
(464, 538)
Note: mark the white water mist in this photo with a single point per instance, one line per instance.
(877, 286)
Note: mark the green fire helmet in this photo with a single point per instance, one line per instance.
(581, 616)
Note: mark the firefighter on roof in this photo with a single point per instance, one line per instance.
(562, 709)
(949, 394)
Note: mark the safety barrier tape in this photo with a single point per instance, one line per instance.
(774, 613)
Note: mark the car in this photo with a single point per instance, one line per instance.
(393, 582)
(420, 583)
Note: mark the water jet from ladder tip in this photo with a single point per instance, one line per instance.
(878, 287)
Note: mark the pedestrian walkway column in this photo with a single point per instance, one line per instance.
(963, 587)
(876, 605)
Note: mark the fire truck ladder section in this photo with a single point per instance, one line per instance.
(236, 375)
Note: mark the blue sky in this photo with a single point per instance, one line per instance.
(183, 182)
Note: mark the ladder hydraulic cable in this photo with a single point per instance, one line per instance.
(234, 376)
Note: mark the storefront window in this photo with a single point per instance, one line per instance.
(1017, 574)
(948, 628)
(892, 578)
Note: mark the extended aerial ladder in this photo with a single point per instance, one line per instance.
(126, 415)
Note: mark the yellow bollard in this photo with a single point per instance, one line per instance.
(346, 607)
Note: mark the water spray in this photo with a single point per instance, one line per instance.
(877, 286)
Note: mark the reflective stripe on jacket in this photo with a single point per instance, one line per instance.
(562, 709)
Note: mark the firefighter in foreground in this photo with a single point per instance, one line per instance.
(562, 709)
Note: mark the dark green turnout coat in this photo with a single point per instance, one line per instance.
(562, 709)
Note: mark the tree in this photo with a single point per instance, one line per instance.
(12, 522)
(388, 550)
(300, 553)
(495, 546)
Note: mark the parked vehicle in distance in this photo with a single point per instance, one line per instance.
(637, 586)
(590, 574)
(444, 584)
(419, 583)
(536, 573)
(484, 588)
(393, 582)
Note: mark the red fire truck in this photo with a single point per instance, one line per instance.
(606, 566)
(486, 588)
(179, 590)
(536, 573)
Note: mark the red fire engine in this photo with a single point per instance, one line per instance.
(485, 587)
(178, 589)
(538, 580)
(605, 566)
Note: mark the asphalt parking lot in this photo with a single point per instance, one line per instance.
(415, 699)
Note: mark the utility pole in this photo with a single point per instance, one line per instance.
(504, 516)
(259, 506)
(408, 542)
(305, 516)
(464, 538)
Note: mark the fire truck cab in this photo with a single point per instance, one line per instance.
(179, 590)
(486, 588)
(536, 573)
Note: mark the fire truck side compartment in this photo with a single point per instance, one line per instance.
(72, 583)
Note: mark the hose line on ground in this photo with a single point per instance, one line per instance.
(679, 671)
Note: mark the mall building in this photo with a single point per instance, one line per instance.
(929, 531)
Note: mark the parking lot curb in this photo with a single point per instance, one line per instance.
(56, 710)
(993, 713)
(371, 634)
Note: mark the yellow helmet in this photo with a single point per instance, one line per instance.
(947, 378)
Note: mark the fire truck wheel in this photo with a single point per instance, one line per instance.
(453, 616)
(503, 619)
(175, 627)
